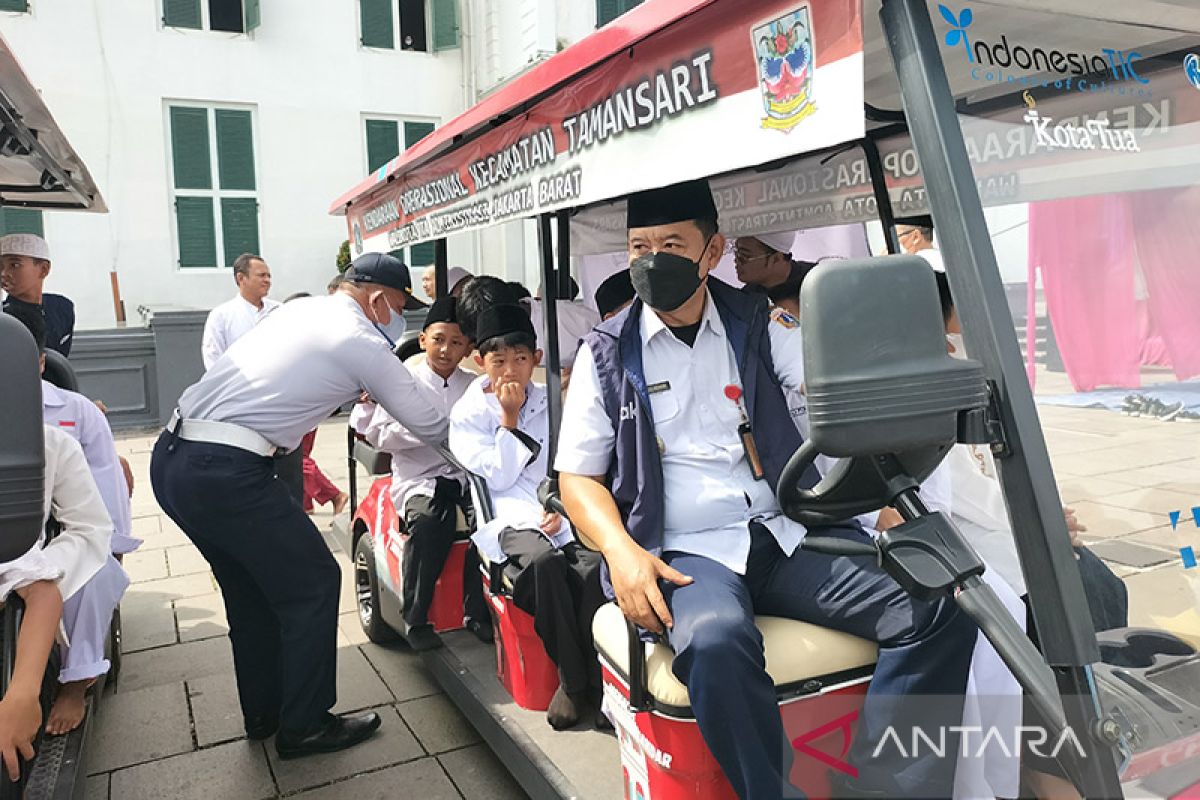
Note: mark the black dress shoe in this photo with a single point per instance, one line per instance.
(482, 630)
(338, 733)
(261, 726)
(422, 638)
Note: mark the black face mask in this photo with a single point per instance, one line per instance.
(664, 281)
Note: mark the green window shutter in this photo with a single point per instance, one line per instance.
(197, 232)
(239, 225)
(14, 5)
(251, 14)
(415, 132)
(421, 255)
(235, 149)
(376, 16)
(383, 142)
(189, 148)
(445, 24)
(629, 5)
(21, 220)
(181, 13)
(607, 11)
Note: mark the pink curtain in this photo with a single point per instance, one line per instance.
(1084, 249)
(1167, 222)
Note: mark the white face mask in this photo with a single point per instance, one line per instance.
(958, 349)
(393, 330)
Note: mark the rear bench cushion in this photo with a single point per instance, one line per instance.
(795, 651)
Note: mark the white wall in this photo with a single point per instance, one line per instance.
(106, 68)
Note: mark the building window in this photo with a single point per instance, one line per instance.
(21, 220)
(214, 185)
(384, 23)
(20, 6)
(608, 10)
(232, 16)
(383, 139)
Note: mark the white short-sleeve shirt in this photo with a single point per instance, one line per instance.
(710, 494)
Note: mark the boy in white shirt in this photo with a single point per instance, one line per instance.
(499, 430)
(426, 491)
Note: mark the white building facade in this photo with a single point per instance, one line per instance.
(215, 127)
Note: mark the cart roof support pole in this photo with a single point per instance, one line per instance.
(1059, 606)
(550, 333)
(439, 268)
(883, 201)
(564, 255)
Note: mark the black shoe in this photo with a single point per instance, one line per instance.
(482, 630)
(338, 733)
(422, 638)
(261, 726)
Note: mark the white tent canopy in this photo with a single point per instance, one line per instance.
(38, 166)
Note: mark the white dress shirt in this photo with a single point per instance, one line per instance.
(308, 358)
(710, 495)
(83, 546)
(575, 321)
(509, 467)
(228, 322)
(977, 508)
(415, 465)
(78, 417)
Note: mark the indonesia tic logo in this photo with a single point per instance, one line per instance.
(784, 50)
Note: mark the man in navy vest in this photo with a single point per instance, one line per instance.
(674, 435)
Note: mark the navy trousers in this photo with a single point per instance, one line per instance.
(278, 579)
(924, 650)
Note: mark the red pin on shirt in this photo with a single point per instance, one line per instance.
(734, 393)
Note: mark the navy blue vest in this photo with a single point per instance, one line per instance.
(635, 477)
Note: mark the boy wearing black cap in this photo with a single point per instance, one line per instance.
(426, 491)
(614, 294)
(674, 435)
(499, 430)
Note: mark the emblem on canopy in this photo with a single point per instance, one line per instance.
(784, 50)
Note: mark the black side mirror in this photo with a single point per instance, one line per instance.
(22, 453)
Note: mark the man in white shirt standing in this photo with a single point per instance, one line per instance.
(231, 320)
(213, 475)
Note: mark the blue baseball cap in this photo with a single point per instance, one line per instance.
(384, 270)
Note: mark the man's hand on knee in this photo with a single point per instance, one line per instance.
(635, 574)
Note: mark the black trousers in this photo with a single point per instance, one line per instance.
(289, 468)
(430, 522)
(561, 589)
(278, 579)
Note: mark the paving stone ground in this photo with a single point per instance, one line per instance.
(172, 729)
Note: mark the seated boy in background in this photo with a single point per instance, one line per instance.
(499, 430)
(426, 491)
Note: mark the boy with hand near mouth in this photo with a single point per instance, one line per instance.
(499, 430)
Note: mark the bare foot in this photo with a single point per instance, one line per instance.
(339, 503)
(67, 712)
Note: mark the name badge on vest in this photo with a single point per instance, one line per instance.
(657, 388)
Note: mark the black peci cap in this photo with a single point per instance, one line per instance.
(385, 270)
(444, 309)
(919, 221)
(501, 320)
(616, 291)
(679, 202)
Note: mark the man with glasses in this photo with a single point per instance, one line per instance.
(915, 235)
(764, 263)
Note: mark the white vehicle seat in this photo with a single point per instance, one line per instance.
(795, 652)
